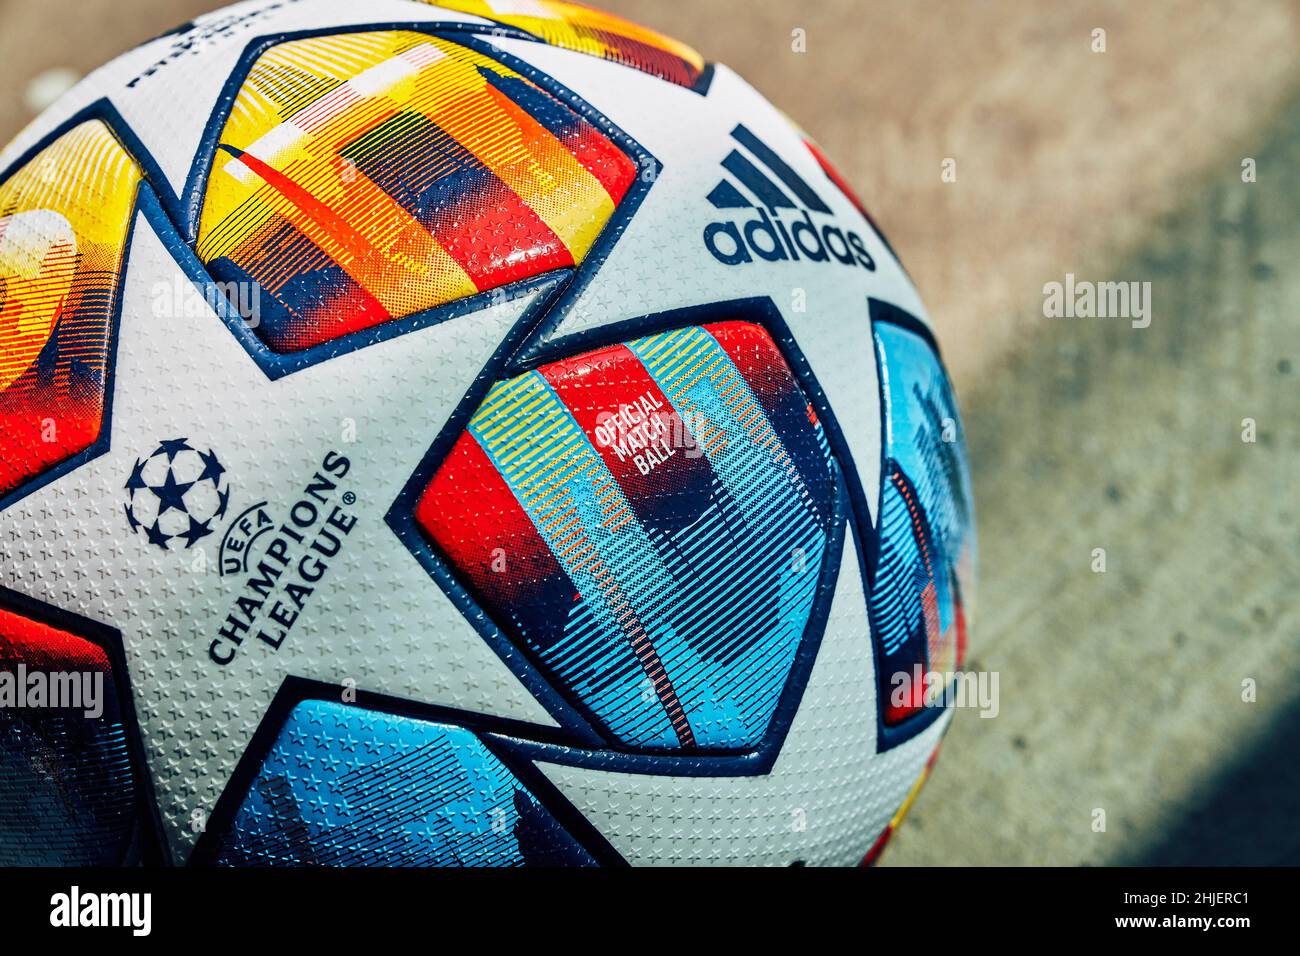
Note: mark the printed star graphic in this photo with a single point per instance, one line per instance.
(136, 481)
(156, 536)
(171, 493)
(173, 447)
(131, 519)
(197, 530)
(212, 469)
(158, 590)
(223, 501)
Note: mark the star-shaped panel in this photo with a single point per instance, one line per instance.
(926, 565)
(649, 523)
(573, 26)
(320, 794)
(65, 218)
(308, 212)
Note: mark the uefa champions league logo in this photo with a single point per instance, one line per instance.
(177, 494)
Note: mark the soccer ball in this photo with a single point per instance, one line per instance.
(461, 433)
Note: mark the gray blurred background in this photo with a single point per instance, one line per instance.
(1120, 691)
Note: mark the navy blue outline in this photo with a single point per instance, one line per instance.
(705, 82)
(104, 111)
(537, 349)
(512, 359)
(760, 310)
(648, 168)
(190, 203)
(714, 762)
(103, 438)
(149, 840)
(495, 733)
(276, 365)
(180, 234)
(187, 215)
(702, 83)
(889, 736)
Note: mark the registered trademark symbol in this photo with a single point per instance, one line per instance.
(349, 498)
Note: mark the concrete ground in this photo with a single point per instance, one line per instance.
(1120, 691)
(1123, 690)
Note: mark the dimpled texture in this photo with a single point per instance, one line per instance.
(67, 788)
(725, 214)
(346, 787)
(680, 486)
(64, 219)
(364, 177)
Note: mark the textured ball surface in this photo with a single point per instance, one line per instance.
(462, 433)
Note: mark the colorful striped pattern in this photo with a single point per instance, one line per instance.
(343, 786)
(371, 176)
(927, 535)
(648, 522)
(67, 790)
(873, 855)
(64, 220)
(572, 26)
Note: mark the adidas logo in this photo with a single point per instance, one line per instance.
(781, 224)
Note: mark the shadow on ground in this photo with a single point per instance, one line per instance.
(1122, 691)
(1248, 814)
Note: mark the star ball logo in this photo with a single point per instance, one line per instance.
(177, 494)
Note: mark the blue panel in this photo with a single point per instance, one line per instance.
(695, 573)
(67, 795)
(67, 787)
(755, 560)
(345, 786)
(927, 537)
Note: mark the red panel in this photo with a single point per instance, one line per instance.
(479, 525)
(600, 157)
(24, 641)
(497, 238)
(26, 424)
(758, 359)
(630, 422)
(834, 175)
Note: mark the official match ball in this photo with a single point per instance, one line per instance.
(465, 433)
